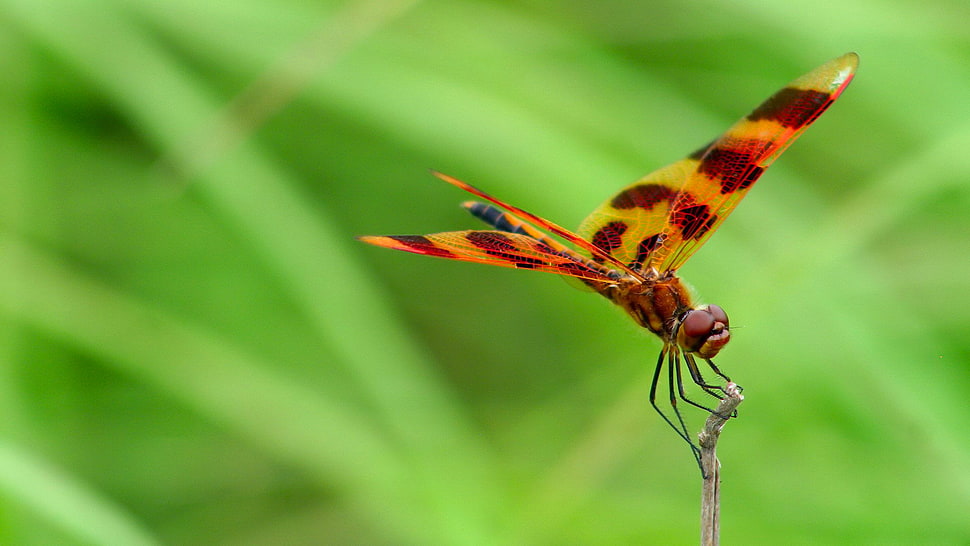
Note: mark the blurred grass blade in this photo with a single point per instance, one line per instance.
(284, 418)
(298, 242)
(67, 504)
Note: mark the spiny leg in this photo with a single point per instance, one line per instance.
(653, 400)
(695, 375)
(726, 378)
(673, 370)
(718, 372)
(709, 389)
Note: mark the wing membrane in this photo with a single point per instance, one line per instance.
(524, 216)
(498, 248)
(662, 219)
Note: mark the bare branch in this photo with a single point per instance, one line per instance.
(711, 492)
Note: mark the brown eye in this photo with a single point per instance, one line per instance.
(698, 323)
(718, 313)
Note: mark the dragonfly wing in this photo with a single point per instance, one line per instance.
(630, 225)
(662, 219)
(498, 248)
(728, 168)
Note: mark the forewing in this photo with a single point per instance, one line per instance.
(630, 226)
(494, 248)
(729, 167)
(660, 221)
(523, 216)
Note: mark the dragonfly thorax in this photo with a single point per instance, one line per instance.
(664, 306)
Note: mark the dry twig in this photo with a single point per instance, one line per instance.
(711, 492)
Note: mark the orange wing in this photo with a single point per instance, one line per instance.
(662, 219)
(523, 217)
(500, 248)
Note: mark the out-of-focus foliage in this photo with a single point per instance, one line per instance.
(195, 350)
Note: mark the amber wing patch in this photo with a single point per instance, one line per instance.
(662, 219)
(498, 248)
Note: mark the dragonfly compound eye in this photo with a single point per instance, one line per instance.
(698, 323)
(718, 314)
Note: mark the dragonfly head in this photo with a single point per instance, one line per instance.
(704, 331)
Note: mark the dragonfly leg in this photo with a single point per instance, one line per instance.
(679, 427)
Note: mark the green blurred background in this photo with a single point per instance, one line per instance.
(195, 350)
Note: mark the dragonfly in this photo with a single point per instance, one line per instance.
(630, 248)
